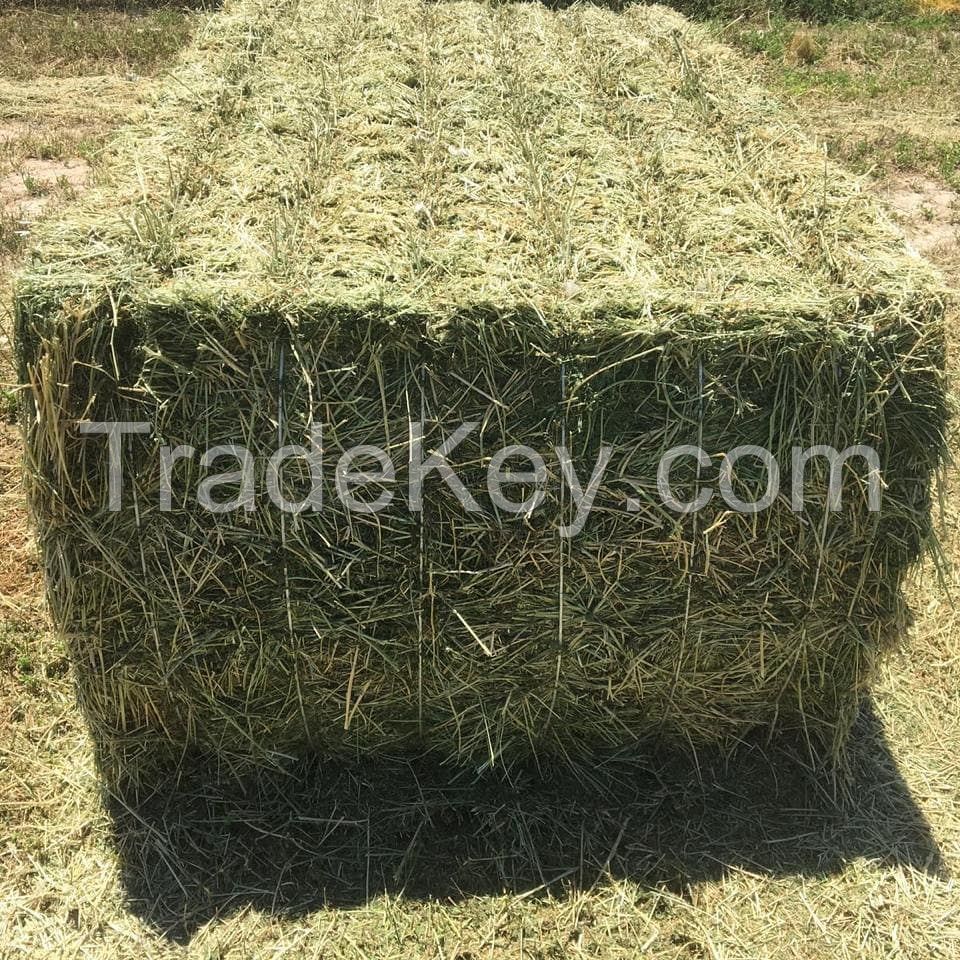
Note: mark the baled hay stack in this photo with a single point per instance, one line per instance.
(576, 227)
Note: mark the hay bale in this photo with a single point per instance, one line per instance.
(578, 227)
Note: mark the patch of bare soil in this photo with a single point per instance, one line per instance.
(928, 211)
(25, 193)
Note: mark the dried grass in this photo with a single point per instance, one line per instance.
(612, 237)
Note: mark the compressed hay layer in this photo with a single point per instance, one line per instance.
(574, 227)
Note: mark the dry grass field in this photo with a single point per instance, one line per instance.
(665, 857)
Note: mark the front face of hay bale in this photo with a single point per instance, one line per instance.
(573, 229)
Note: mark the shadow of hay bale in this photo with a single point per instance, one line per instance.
(108, 6)
(335, 836)
(814, 11)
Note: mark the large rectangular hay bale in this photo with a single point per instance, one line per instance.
(575, 228)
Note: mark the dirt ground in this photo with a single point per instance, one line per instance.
(26, 193)
(928, 210)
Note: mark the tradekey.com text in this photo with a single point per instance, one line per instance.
(365, 476)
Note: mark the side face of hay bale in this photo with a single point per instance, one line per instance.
(579, 229)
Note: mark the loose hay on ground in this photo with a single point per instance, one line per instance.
(574, 227)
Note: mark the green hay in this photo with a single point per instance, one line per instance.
(576, 226)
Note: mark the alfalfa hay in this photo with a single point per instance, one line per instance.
(354, 223)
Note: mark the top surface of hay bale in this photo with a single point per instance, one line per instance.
(424, 160)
